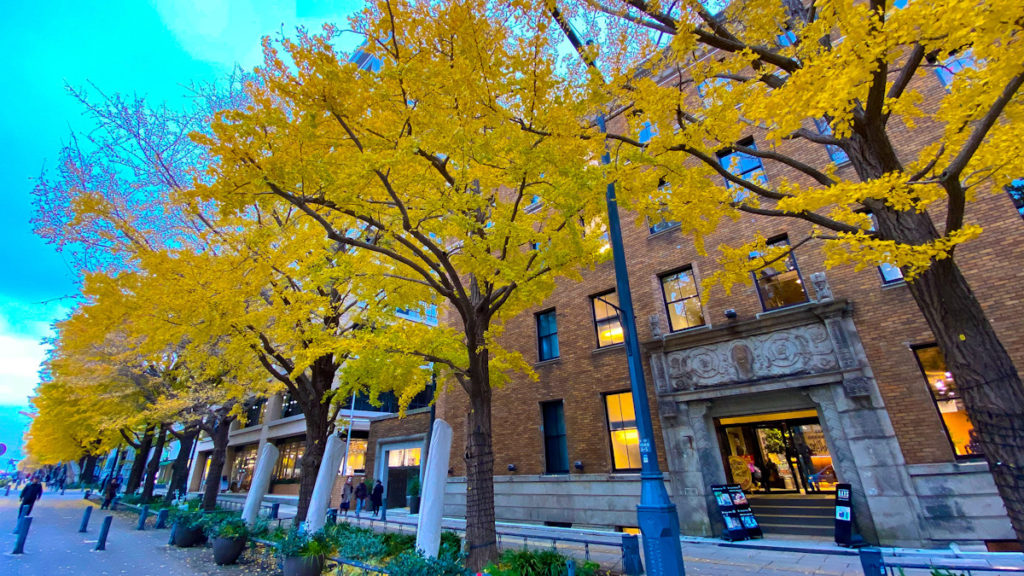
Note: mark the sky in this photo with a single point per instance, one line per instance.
(154, 49)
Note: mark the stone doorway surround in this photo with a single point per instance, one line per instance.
(803, 357)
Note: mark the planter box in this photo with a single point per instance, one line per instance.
(187, 537)
(304, 566)
(227, 550)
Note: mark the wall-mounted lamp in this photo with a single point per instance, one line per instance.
(731, 314)
(578, 465)
(511, 467)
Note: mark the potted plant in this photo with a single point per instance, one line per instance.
(230, 535)
(304, 553)
(187, 527)
(413, 489)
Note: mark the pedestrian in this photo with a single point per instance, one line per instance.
(110, 494)
(60, 484)
(223, 484)
(360, 497)
(377, 496)
(346, 496)
(31, 493)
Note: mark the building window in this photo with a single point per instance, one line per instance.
(289, 406)
(947, 69)
(837, 154)
(243, 468)
(779, 283)
(556, 450)
(289, 461)
(948, 401)
(403, 457)
(606, 319)
(622, 428)
(356, 458)
(254, 412)
(744, 166)
(547, 335)
(1016, 192)
(682, 300)
(890, 274)
(647, 132)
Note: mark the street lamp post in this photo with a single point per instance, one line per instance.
(656, 514)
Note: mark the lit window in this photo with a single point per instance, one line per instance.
(289, 406)
(1016, 192)
(745, 166)
(404, 457)
(547, 335)
(625, 438)
(356, 458)
(606, 319)
(682, 300)
(556, 449)
(779, 283)
(289, 460)
(254, 412)
(947, 399)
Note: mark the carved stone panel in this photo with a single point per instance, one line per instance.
(788, 352)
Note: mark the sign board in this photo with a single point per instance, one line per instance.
(844, 515)
(739, 519)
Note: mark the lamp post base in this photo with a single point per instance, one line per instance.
(663, 552)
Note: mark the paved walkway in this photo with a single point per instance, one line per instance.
(54, 546)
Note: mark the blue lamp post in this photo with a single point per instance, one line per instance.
(656, 514)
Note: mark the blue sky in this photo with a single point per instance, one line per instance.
(153, 49)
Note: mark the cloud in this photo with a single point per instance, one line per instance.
(23, 326)
(230, 31)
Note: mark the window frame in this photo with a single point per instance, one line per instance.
(541, 337)
(666, 303)
(608, 430)
(799, 275)
(563, 444)
(1017, 199)
(729, 151)
(935, 403)
(593, 313)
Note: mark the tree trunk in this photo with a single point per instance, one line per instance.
(318, 426)
(220, 449)
(480, 532)
(984, 373)
(179, 470)
(139, 463)
(153, 467)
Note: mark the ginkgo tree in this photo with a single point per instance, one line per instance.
(855, 79)
(446, 161)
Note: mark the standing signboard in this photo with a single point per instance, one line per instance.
(739, 519)
(844, 515)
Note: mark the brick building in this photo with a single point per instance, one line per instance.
(787, 386)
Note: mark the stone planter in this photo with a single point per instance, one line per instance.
(227, 550)
(414, 504)
(303, 565)
(187, 537)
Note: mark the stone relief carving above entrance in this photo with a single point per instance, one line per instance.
(801, 350)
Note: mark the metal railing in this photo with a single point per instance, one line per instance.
(875, 563)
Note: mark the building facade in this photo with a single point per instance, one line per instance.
(788, 386)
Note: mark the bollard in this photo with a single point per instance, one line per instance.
(88, 492)
(570, 565)
(101, 544)
(274, 509)
(161, 518)
(871, 561)
(332, 516)
(143, 514)
(22, 512)
(174, 528)
(85, 519)
(23, 523)
(631, 565)
(8, 493)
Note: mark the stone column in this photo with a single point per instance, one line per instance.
(260, 483)
(428, 528)
(195, 475)
(321, 500)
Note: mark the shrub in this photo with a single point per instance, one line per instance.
(537, 563)
(225, 526)
(187, 517)
(396, 543)
(362, 545)
(298, 542)
(413, 563)
(451, 541)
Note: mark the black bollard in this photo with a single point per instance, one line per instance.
(22, 512)
(143, 514)
(631, 565)
(332, 516)
(170, 541)
(161, 518)
(871, 561)
(8, 493)
(101, 544)
(85, 519)
(275, 508)
(23, 524)
(87, 494)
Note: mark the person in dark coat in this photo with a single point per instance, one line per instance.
(111, 493)
(360, 497)
(377, 496)
(31, 493)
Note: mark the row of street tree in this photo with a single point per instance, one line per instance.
(262, 241)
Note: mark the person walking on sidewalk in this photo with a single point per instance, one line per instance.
(111, 493)
(31, 493)
(346, 496)
(360, 497)
(377, 497)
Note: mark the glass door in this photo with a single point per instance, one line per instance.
(777, 472)
(813, 457)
